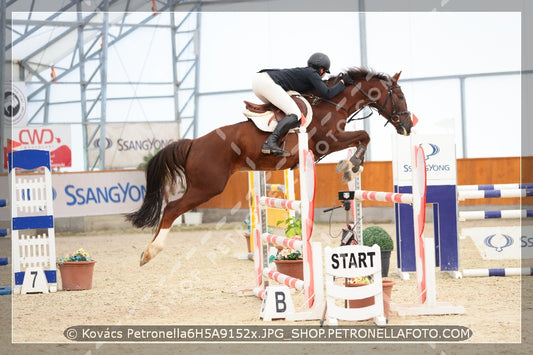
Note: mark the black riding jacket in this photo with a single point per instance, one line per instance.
(303, 79)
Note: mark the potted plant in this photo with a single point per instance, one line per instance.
(289, 261)
(377, 235)
(365, 302)
(76, 271)
(356, 282)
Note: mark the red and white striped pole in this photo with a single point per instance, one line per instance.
(419, 213)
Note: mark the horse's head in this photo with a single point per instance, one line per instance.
(397, 112)
(384, 94)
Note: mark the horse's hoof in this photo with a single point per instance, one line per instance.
(355, 168)
(347, 177)
(145, 257)
(359, 170)
(150, 252)
(343, 166)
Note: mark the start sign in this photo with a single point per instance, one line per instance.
(353, 260)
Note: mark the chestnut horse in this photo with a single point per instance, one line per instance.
(206, 163)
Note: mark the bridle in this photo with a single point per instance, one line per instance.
(393, 118)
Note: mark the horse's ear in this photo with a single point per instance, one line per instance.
(396, 76)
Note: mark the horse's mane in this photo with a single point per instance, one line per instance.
(358, 74)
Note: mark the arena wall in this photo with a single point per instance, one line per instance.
(377, 176)
(232, 204)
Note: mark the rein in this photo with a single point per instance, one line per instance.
(316, 99)
(350, 118)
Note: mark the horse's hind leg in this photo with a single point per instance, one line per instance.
(192, 198)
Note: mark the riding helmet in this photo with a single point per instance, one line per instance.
(319, 60)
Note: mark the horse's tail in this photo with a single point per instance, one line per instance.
(162, 170)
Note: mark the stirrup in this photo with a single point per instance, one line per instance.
(276, 151)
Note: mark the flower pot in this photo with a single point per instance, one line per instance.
(387, 292)
(293, 268)
(76, 275)
(360, 303)
(365, 302)
(385, 262)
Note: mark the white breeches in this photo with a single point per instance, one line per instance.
(269, 92)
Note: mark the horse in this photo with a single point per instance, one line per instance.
(205, 164)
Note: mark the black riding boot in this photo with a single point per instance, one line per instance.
(284, 126)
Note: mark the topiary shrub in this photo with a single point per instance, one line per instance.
(377, 235)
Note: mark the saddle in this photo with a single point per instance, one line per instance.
(267, 116)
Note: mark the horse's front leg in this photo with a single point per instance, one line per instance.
(358, 158)
(353, 166)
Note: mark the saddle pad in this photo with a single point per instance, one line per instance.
(266, 122)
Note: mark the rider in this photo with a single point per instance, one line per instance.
(271, 86)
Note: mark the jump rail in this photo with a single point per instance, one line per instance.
(494, 187)
(499, 272)
(312, 283)
(499, 214)
(477, 194)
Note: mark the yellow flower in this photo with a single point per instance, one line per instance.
(359, 280)
(79, 255)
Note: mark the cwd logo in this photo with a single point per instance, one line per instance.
(108, 143)
(430, 149)
(38, 136)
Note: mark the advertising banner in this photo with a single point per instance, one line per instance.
(440, 159)
(53, 138)
(92, 193)
(127, 144)
(498, 242)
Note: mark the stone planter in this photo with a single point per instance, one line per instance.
(385, 262)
